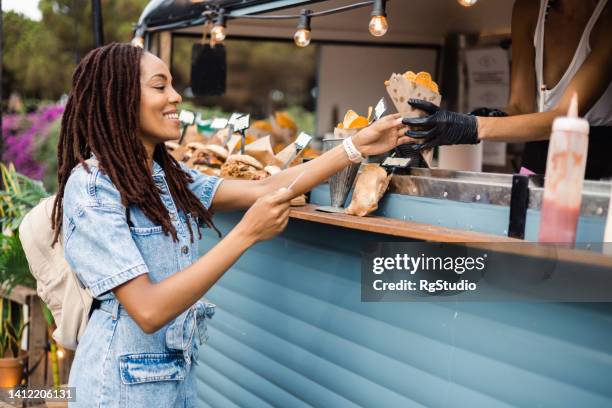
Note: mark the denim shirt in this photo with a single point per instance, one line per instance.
(117, 364)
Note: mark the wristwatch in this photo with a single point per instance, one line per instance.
(353, 154)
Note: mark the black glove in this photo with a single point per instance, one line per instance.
(441, 127)
(491, 112)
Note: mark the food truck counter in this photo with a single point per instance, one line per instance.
(292, 330)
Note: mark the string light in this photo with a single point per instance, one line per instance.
(138, 41)
(218, 31)
(302, 35)
(467, 3)
(378, 23)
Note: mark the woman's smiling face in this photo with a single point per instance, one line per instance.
(158, 100)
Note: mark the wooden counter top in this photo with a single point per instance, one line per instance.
(426, 232)
(395, 227)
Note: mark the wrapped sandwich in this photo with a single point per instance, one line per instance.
(407, 86)
(370, 186)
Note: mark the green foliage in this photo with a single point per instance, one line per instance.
(40, 56)
(12, 325)
(19, 195)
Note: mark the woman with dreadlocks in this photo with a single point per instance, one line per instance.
(130, 217)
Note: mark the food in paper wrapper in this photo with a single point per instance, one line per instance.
(261, 149)
(284, 128)
(259, 129)
(401, 88)
(351, 124)
(370, 186)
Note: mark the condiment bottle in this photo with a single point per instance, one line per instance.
(608, 230)
(567, 155)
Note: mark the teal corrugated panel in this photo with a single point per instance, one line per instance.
(291, 331)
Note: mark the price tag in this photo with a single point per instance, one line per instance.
(380, 109)
(242, 123)
(219, 123)
(233, 118)
(187, 117)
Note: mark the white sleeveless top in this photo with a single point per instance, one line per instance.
(600, 113)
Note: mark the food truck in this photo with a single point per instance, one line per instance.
(293, 326)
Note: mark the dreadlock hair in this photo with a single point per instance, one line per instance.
(102, 117)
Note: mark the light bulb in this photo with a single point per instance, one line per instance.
(60, 353)
(378, 26)
(138, 42)
(218, 33)
(467, 3)
(302, 37)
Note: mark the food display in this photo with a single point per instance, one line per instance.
(212, 155)
(370, 186)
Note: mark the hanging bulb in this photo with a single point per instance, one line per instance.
(378, 26)
(218, 33)
(378, 23)
(302, 35)
(467, 3)
(138, 42)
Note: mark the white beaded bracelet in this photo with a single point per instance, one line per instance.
(353, 154)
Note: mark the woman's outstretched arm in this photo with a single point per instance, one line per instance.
(380, 137)
(153, 305)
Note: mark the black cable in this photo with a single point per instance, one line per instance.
(312, 14)
(211, 14)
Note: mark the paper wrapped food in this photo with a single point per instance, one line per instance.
(401, 88)
(351, 124)
(370, 186)
(261, 149)
(284, 129)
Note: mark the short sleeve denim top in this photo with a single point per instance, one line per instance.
(105, 252)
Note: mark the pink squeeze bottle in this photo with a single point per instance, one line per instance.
(567, 155)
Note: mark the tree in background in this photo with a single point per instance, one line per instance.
(40, 56)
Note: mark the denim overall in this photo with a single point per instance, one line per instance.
(117, 364)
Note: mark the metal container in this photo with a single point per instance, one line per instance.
(340, 183)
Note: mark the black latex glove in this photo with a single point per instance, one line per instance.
(441, 127)
(490, 112)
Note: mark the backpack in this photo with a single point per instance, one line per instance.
(56, 283)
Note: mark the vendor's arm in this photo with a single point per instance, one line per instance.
(381, 137)
(444, 127)
(590, 82)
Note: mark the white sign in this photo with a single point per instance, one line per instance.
(488, 86)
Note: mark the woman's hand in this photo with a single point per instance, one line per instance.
(382, 136)
(267, 217)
